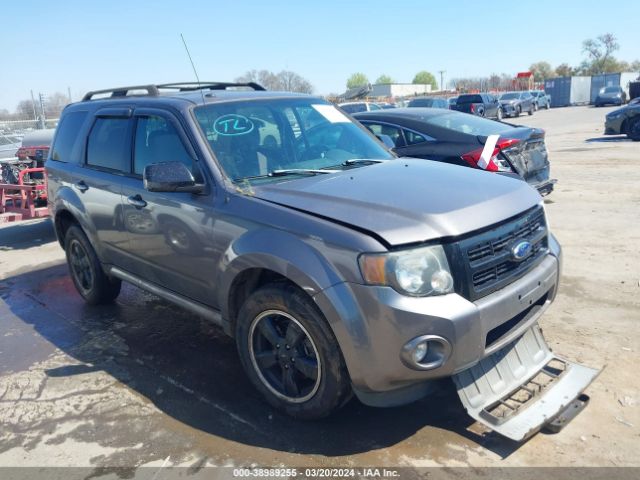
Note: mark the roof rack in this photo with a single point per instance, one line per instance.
(190, 86)
(154, 90)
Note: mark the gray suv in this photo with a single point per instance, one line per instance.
(337, 267)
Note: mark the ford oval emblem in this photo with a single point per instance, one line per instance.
(521, 250)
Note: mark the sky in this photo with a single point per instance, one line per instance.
(53, 46)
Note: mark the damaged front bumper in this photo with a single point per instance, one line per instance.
(522, 387)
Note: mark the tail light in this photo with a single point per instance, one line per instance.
(493, 163)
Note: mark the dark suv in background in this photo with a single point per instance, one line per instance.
(481, 104)
(337, 268)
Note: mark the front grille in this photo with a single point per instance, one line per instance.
(487, 259)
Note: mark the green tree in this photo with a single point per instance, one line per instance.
(358, 79)
(564, 70)
(425, 78)
(385, 79)
(541, 71)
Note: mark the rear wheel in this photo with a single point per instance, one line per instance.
(633, 132)
(499, 114)
(530, 112)
(86, 271)
(518, 110)
(290, 354)
(548, 105)
(536, 107)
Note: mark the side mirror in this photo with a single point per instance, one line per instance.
(386, 139)
(169, 177)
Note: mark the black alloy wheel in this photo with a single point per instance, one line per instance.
(284, 356)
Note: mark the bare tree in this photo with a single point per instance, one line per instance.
(292, 82)
(285, 80)
(600, 53)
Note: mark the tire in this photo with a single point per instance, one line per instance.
(499, 115)
(633, 131)
(86, 271)
(279, 320)
(518, 111)
(530, 112)
(536, 107)
(548, 105)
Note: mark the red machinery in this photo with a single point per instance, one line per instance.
(26, 199)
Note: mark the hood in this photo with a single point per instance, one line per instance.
(509, 102)
(407, 200)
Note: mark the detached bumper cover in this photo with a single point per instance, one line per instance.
(522, 387)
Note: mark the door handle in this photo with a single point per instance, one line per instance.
(136, 201)
(83, 187)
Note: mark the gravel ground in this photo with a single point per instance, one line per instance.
(144, 383)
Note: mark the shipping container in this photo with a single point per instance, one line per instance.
(634, 90)
(625, 80)
(560, 91)
(580, 91)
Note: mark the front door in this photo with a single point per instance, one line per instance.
(170, 233)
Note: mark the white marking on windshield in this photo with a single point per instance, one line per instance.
(331, 113)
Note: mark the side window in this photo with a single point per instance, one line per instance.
(394, 132)
(413, 137)
(158, 141)
(373, 106)
(109, 144)
(67, 138)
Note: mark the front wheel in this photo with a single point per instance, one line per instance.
(633, 132)
(548, 105)
(290, 354)
(86, 271)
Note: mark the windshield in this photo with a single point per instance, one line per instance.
(509, 96)
(611, 89)
(470, 124)
(252, 139)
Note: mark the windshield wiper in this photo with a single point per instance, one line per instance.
(299, 171)
(354, 161)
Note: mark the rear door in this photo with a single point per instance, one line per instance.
(170, 233)
(98, 182)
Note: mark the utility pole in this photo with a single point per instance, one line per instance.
(42, 118)
(33, 104)
(442, 72)
(69, 92)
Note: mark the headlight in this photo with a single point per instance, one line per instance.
(417, 272)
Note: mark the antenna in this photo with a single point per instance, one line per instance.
(193, 66)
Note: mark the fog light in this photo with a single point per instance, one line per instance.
(425, 352)
(419, 352)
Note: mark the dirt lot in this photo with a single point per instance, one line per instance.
(144, 383)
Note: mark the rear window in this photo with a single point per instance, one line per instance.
(469, 124)
(67, 138)
(469, 99)
(354, 108)
(421, 102)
